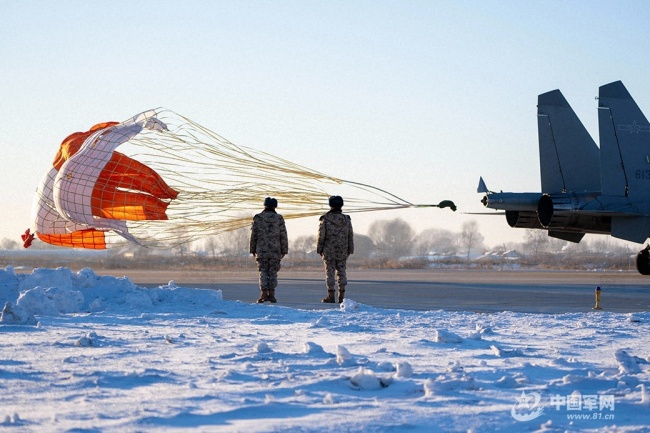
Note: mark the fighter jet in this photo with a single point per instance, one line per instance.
(587, 189)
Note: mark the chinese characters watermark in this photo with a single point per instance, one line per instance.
(576, 405)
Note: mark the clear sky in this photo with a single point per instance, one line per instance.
(419, 98)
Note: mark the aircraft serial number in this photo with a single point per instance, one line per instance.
(642, 174)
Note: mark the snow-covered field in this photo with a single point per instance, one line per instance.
(80, 352)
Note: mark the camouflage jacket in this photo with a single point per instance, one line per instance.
(335, 236)
(268, 235)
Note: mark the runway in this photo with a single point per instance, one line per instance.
(455, 290)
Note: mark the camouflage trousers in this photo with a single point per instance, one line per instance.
(268, 273)
(335, 272)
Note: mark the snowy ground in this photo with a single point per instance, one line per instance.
(80, 352)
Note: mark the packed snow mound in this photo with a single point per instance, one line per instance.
(50, 301)
(627, 364)
(50, 292)
(445, 336)
(365, 379)
(15, 315)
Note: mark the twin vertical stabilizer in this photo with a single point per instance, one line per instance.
(587, 189)
(624, 143)
(569, 157)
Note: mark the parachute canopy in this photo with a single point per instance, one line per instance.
(173, 181)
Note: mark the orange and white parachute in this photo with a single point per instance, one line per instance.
(173, 181)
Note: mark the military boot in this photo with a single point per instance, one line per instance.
(272, 296)
(341, 293)
(264, 296)
(329, 299)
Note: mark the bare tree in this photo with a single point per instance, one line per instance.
(608, 245)
(393, 238)
(436, 240)
(235, 243)
(556, 244)
(536, 241)
(364, 247)
(183, 249)
(470, 237)
(212, 246)
(304, 245)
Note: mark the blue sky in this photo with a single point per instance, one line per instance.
(417, 98)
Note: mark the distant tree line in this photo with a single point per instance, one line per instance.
(389, 243)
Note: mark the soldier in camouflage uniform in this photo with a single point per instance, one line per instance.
(268, 244)
(335, 243)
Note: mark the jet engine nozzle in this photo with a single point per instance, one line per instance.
(549, 205)
(545, 210)
(558, 212)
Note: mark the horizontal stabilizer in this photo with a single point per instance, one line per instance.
(567, 236)
(631, 229)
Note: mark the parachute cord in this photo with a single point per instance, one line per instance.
(370, 187)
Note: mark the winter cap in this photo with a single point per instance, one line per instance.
(270, 202)
(336, 201)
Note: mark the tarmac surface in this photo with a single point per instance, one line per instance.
(427, 289)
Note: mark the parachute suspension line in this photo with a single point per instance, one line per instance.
(396, 200)
(210, 185)
(221, 184)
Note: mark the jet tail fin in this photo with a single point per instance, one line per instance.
(569, 158)
(624, 143)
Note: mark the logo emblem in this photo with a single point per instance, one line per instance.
(527, 407)
(634, 128)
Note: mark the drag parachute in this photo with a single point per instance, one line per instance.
(173, 181)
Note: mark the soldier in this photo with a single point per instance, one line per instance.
(335, 243)
(268, 244)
